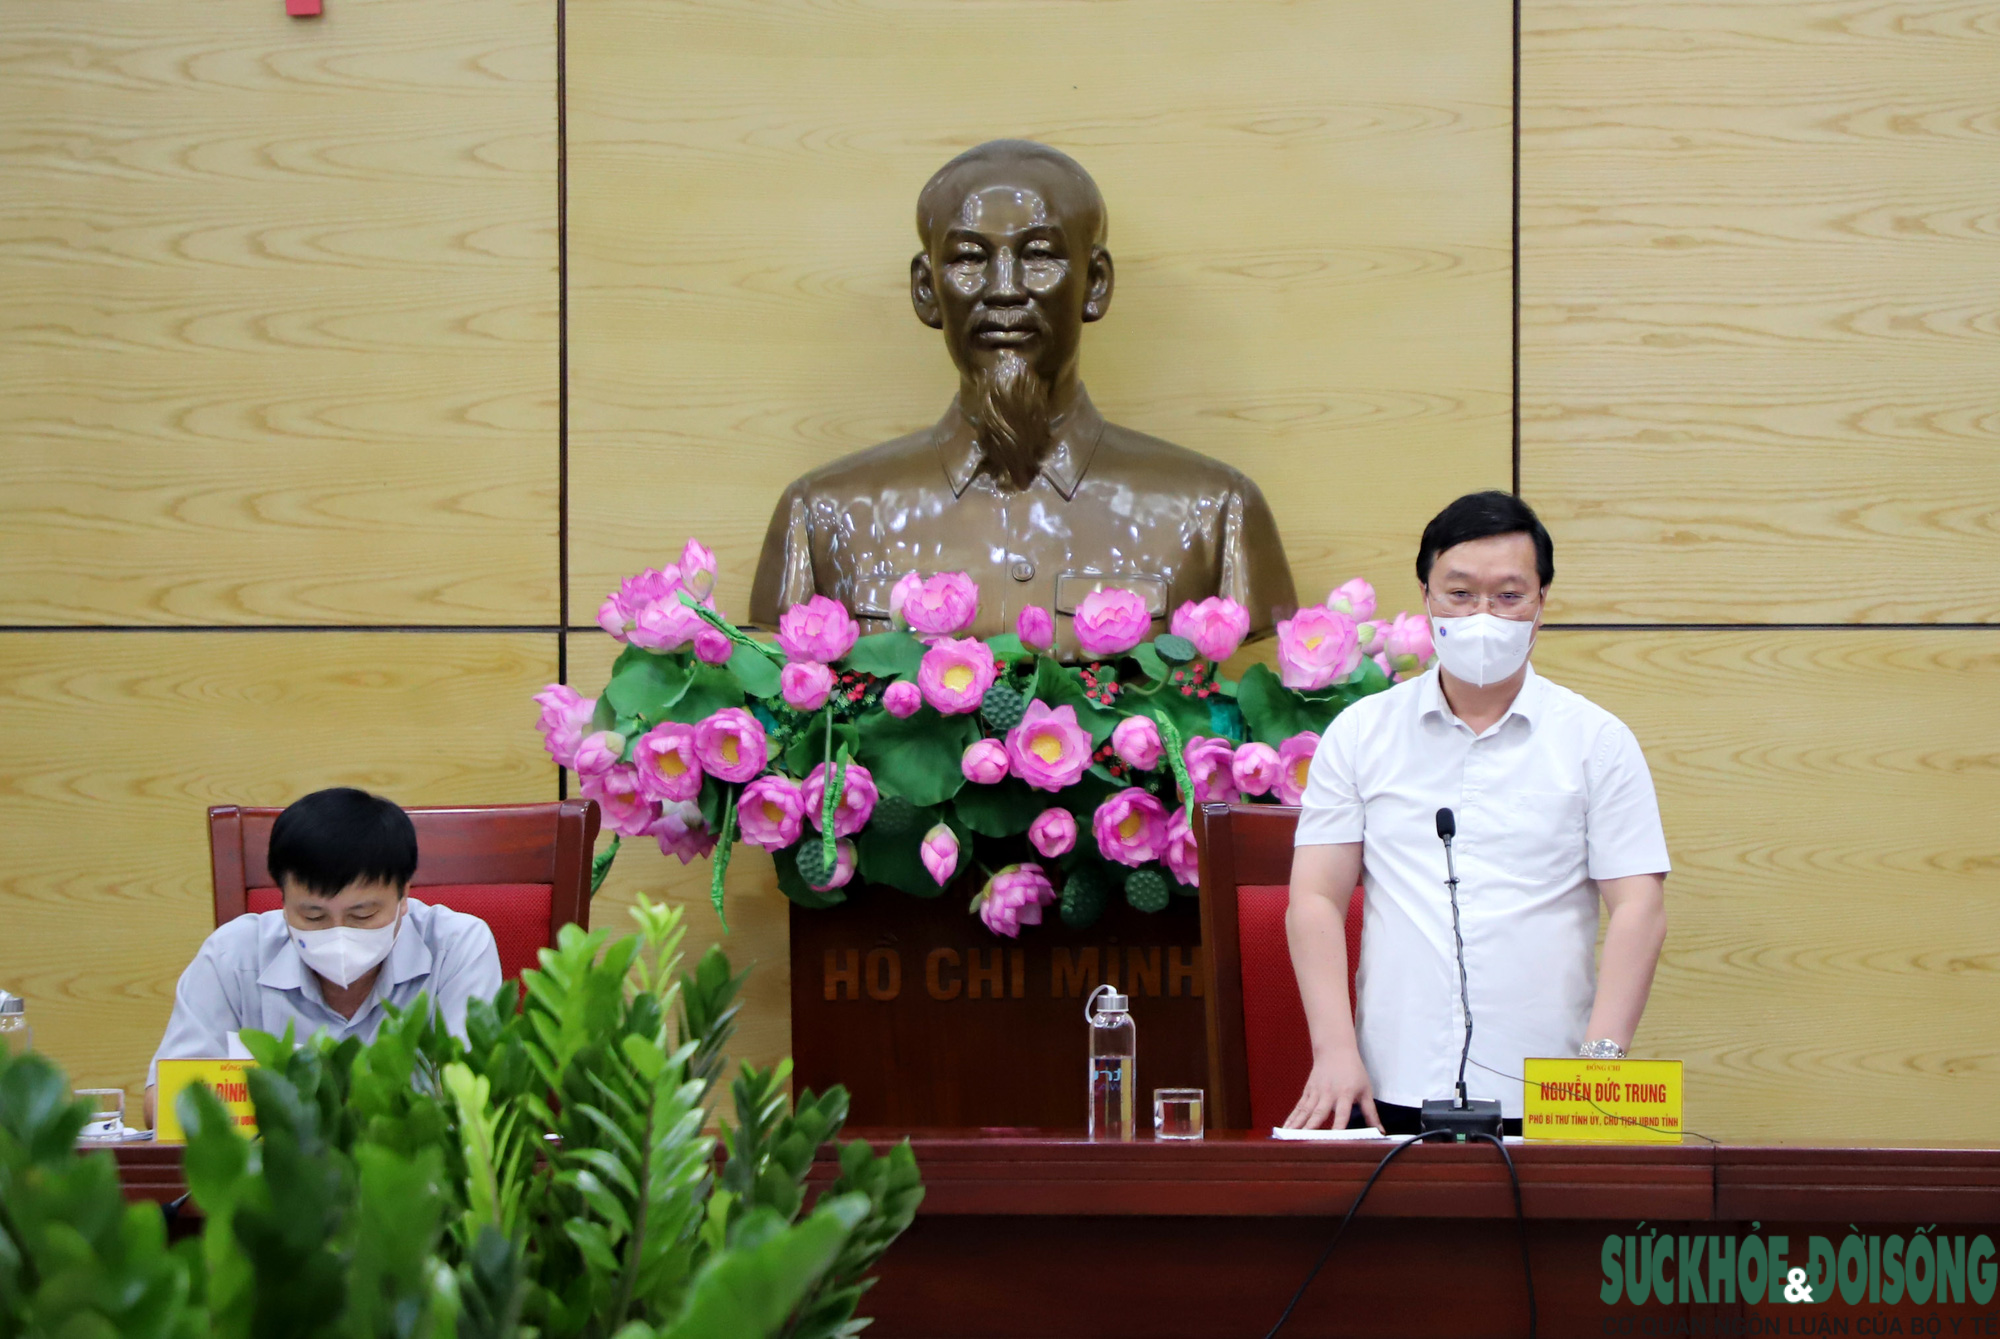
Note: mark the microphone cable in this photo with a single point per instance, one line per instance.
(1520, 1219)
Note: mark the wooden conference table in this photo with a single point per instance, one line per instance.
(1038, 1233)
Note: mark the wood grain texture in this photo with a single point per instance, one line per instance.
(758, 935)
(113, 745)
(1308, 210)
(1760, 288)
(278, 313)
(1833, 945)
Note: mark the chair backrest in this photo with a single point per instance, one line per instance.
(524, 869)
(1259, 1050)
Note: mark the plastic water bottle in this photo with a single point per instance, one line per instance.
(16, 1037)
(1114, 1049)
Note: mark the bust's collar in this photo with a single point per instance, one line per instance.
(1072, 441)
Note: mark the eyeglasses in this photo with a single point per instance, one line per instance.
(1506, 604)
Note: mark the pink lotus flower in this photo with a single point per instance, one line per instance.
(940, 854)
(984, 762)
(1368, 636)
(1216, 626)
(1295, 757)
(1111, 622)
(899, 595)
(1255, 768)
(1407, 643)
(1136, 741)
(901, 699)
(1048, 749)
(955, 674)
(1182, 857)
(1130, 827)
(598, 752)
(843, 868)
(944, 606)
(626, 811)
(1315, 647)
(771, 812)
(857, 799)
(666, 626)
(712, 646)
(565, 716)
(1014, 897)
(620, 611)
(669, 768)
(681, 832)
(698, 572)
(1354, 598)
(805, 685)
(1388, 670)
(1036, 627)
(730, 745)
(821, 629)
(1209, 767)
(1053, 832)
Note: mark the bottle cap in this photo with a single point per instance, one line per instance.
(12, 1004)
(1105, 1000)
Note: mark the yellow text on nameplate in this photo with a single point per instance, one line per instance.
(226, 1077)
(1603, 1101)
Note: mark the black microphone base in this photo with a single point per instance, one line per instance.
(1479, 1115)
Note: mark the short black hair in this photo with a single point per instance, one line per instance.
(333, 837)
(1482, 516)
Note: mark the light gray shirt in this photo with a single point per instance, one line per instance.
(248, 974)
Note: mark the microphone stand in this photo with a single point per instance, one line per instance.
(1460, 1116)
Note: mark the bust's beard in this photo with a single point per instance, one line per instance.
(1010, 409)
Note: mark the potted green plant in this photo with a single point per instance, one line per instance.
(550, 1175)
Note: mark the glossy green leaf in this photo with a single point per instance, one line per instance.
(886, 655)
(917, 757)
(646, 685)
(1001, 810)
(756, 672)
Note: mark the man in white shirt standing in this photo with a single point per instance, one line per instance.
(1555, 811)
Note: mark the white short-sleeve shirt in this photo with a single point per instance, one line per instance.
(1554, 796)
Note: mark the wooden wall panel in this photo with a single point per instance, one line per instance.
(1309, 210)
(1760, 293)
(1834, 923)
(278, 313)
(758, 935)
(113, 745)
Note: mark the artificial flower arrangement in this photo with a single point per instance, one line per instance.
(909, 756)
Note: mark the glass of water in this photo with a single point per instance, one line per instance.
(107, 1113)
(1177, 1113)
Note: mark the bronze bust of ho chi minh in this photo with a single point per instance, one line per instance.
(1022, 483)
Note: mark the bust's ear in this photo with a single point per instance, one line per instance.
(923, 291)
(1097, 298)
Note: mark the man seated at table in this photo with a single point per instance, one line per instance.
(348, 940)
(1555, 813)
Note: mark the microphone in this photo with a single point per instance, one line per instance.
(1459, 1115)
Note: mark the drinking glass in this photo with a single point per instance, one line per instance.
(107, 1113)
(1177, 1113)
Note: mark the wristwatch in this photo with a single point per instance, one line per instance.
(1602, 1049)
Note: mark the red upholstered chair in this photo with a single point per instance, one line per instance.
(1259, 1051)
(524, 869)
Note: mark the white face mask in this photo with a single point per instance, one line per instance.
(344, 954)
(1482, 649)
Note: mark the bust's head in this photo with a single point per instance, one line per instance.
(1013, 264)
